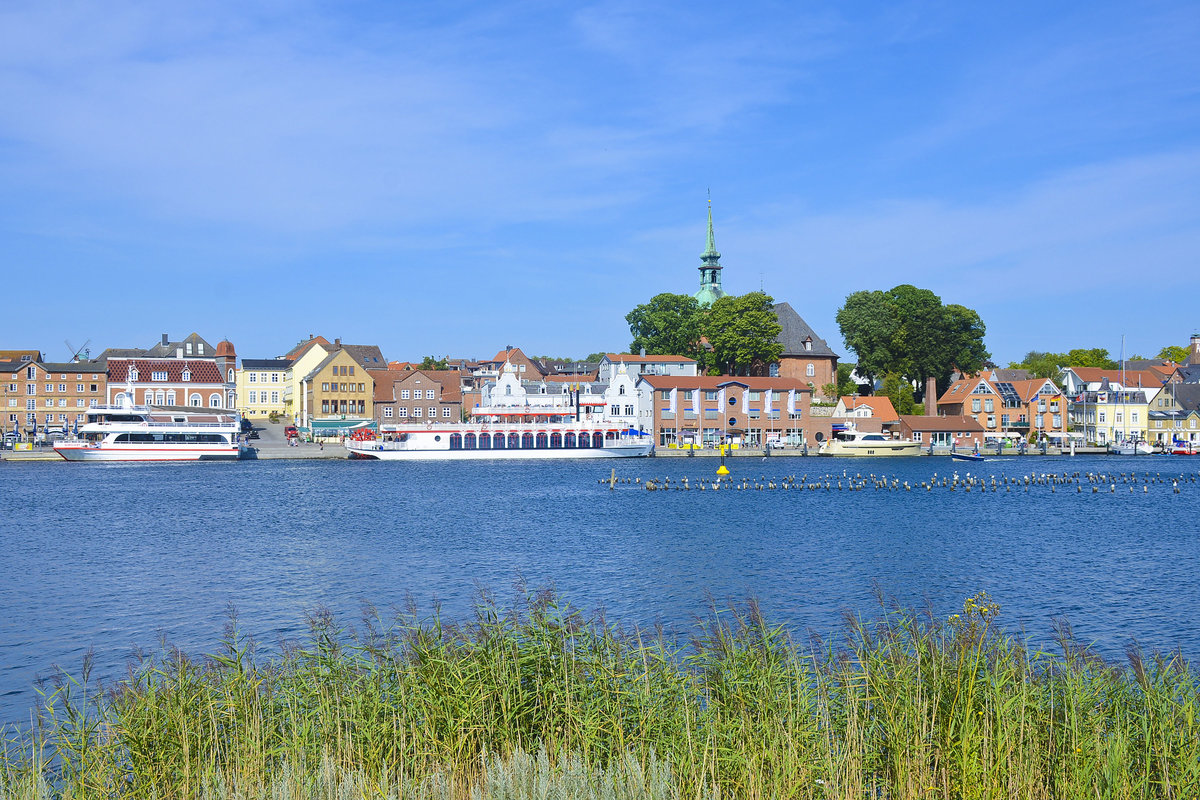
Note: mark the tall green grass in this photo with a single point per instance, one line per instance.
(904, 706)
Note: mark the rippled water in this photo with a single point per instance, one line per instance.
(116, 556)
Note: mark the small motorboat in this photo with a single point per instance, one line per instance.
(966, 457)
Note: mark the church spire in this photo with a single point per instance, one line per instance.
(710, 267)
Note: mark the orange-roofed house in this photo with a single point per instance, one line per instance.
(876, 407)
(1007, 409)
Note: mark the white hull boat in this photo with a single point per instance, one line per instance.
(139, 433)
(466, 442)
(852, 442)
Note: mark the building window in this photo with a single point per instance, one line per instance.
(989, 405)
(432, 412)
(810, 371)
(417, 411)
(429, 394)
(629, 411)
(1133, 417)
(361, 387)
(62, 387)
(195, 401)
(325, 386)
(401, 412)
(274, 397)
(975, 405)
(49, 387)
(252, 377)
(133, 374)
(446, 413)
(710, 395)
(387, 412)
(253, 398)
(31, 373)
(351, 370)
(170, 398)
(404, 394)
(214, 401)
(324, 406)
(187, 375)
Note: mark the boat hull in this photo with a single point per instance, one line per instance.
(872, 449)
(118, 453)
(365, 450)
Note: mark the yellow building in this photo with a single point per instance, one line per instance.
(337, 394)
(1107, 417)
(304, 357)
(261, 387)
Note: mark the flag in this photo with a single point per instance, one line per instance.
(674, 394)
(721, 401)
(767, 397)
(791, 401)
(696, 402)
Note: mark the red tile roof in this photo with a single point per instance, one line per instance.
(880, 406)
(617, 358)
(714, 382)
(202, 371)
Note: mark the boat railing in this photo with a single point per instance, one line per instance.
(165, 424)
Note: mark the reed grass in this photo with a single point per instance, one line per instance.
(905, 705)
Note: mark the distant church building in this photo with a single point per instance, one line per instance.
(710, 269)
(806, 356)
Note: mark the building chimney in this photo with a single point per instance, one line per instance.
(931, 397)
(337, 342)
(179, 352)
(165, 340)
(1194, 355)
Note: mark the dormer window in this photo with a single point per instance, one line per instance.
(200, 348)
(188, 345)
(133, 374)
(808, 344)
(158, 375)
(187, 375)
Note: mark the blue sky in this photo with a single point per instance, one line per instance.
(450, 177)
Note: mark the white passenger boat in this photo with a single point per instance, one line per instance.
(852, 442)
(139, 433)
(517, 440)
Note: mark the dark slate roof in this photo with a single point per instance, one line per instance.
(1187, 395)
(266, 363)
(13, 366)
(795, 331)
(369, 355)
(122, 352)
(76, 366)
(1011, 375)
(1190, 373)
(160, 350)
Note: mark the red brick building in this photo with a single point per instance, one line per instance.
(707, 410)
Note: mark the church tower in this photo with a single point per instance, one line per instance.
(710, 268)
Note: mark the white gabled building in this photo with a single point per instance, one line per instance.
(645, 365)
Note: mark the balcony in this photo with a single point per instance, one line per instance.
(1019, 425)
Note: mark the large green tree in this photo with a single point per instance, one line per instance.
(1174, 352)
(909, 332)
(670, 324)
(845, 385)
(742, 330)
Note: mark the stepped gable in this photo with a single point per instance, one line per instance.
(796, 332)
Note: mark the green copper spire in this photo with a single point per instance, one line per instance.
(710, 268)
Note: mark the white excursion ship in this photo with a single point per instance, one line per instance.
(852, 442)
(510, 423)
(139, 433)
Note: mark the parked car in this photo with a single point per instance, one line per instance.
(291, 432)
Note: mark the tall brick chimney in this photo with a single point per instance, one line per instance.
(931, 397)
(1194, 355)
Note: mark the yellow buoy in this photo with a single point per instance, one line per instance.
(722, 470)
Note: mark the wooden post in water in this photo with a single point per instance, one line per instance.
(612, 480)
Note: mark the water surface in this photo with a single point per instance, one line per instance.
(116, 556)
